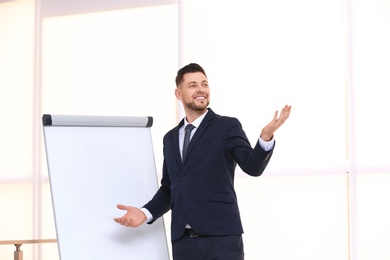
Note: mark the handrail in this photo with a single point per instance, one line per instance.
(18, 254)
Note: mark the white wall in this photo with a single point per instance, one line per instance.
(17, 128)
(370, 78)
(324, 193)
(261, 55)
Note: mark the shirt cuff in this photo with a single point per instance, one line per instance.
(149, 216)
(267, 145)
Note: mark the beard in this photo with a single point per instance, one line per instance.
(195, 107)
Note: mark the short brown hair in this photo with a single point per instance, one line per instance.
(190, 68)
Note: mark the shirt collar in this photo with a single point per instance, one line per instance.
(197, 121)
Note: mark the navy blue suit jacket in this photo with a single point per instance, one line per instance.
(200, 191)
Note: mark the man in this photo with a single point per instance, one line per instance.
(198, 186)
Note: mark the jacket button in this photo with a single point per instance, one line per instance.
(183, 178)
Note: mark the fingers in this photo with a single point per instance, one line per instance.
(118, 220)
(134, 217)
(278, 120)
(286, 110)
(284, 114)
(124, 221)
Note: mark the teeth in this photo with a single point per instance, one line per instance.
(200, 98)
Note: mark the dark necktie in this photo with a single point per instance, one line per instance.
(187, 136)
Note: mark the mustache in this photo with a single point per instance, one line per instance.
(200, 94)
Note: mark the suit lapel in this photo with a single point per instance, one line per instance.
(199, 132)
(176, 148)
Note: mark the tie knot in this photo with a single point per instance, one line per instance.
(190, 127)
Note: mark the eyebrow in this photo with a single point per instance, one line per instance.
(194, 82)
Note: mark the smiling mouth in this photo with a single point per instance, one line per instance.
(200, 98)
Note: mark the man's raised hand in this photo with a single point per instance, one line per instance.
(268, 131)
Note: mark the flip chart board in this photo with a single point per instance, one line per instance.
(95, 163)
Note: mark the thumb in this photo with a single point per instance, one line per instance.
(120, 206)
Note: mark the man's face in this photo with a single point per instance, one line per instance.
(194, 91)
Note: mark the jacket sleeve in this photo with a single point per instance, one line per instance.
(252, 161)
(161, 201)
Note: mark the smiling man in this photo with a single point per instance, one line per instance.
(194, 93)
(197, 185)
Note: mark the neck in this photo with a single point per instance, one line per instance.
(192, 115)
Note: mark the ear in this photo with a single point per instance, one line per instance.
(178, 94)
